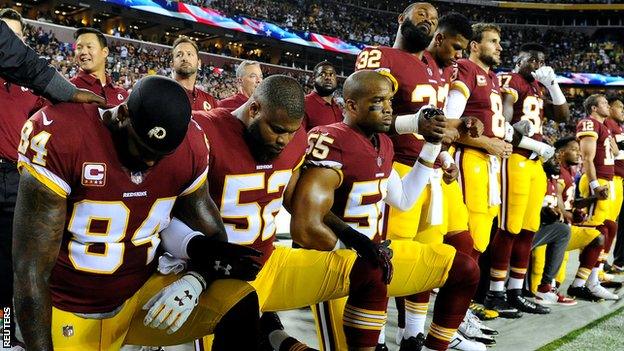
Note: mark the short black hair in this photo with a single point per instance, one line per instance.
(280, 92)
(455, 23)
(563, 142)
(322, 64)
(89, 30)
(533, 47)
(590, 102)
(11, 14)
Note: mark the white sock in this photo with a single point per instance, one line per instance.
(277, 337)
(515, 283)
(578, 282)
(601, 266)
(593, 277)
(497, 285)
(414, 324)
(399, 335)
(382, 335)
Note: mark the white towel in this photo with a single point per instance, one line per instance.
(435, 216)
(168, 264)
(494, 195)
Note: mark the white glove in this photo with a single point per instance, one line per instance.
(172, 305)
(545, 75)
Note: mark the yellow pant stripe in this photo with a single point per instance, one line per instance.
(441, 332)
(364, 311)
(416, 307)
(355, 317)
(518, 270)
(583, 273)
(497, 273)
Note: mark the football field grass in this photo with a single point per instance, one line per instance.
(602, 334)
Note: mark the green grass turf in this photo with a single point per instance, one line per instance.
(602, 334)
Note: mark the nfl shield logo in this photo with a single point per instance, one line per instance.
(379, 161)
(136, 177)
(429, 71)
(68, 330)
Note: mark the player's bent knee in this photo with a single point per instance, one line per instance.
(365, 277)
(243, 318)
(464, 271)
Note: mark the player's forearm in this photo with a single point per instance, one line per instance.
(313, 233)
(481, 142)
(33, 308)
(199, 212)
(590, 169)
(37, 231)
(561, 113)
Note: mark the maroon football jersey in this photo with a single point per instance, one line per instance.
(618, 134)
(528, 103)
(249, 194)
(113, 94)
(113, 216)
(233, 102)
(18, 103)
(566, 178)
(483, 93)
(420, 84)
(319, 112)
(201, 100)
(604, 160)
(364, 169)
(550, 200)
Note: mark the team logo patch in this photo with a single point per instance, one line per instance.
(481, 81)
(68, 331)
(93, 174)
(120, 97)
(157, 132)
(207, 106)
(136, 177)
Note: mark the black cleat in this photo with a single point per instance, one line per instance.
(269, 322)
(497, 300)
(515, 298)
(583, 293)
(381, 347)
(413, 343)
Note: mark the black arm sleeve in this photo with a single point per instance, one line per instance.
(21, 65)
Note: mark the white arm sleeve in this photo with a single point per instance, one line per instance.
(176, 237)
(455, 104)
(403, 193)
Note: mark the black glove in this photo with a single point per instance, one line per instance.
(385, 260)
(222, 260)
(377, 254)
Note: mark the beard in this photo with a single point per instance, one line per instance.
(324, 91)
(488, 60)
(260, 151)
(186, 71)
(416, 39)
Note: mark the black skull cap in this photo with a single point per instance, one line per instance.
(160, 112)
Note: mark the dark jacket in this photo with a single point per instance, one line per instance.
(21, 65)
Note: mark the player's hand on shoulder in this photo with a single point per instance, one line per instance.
(172, 305)
(87, 97)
